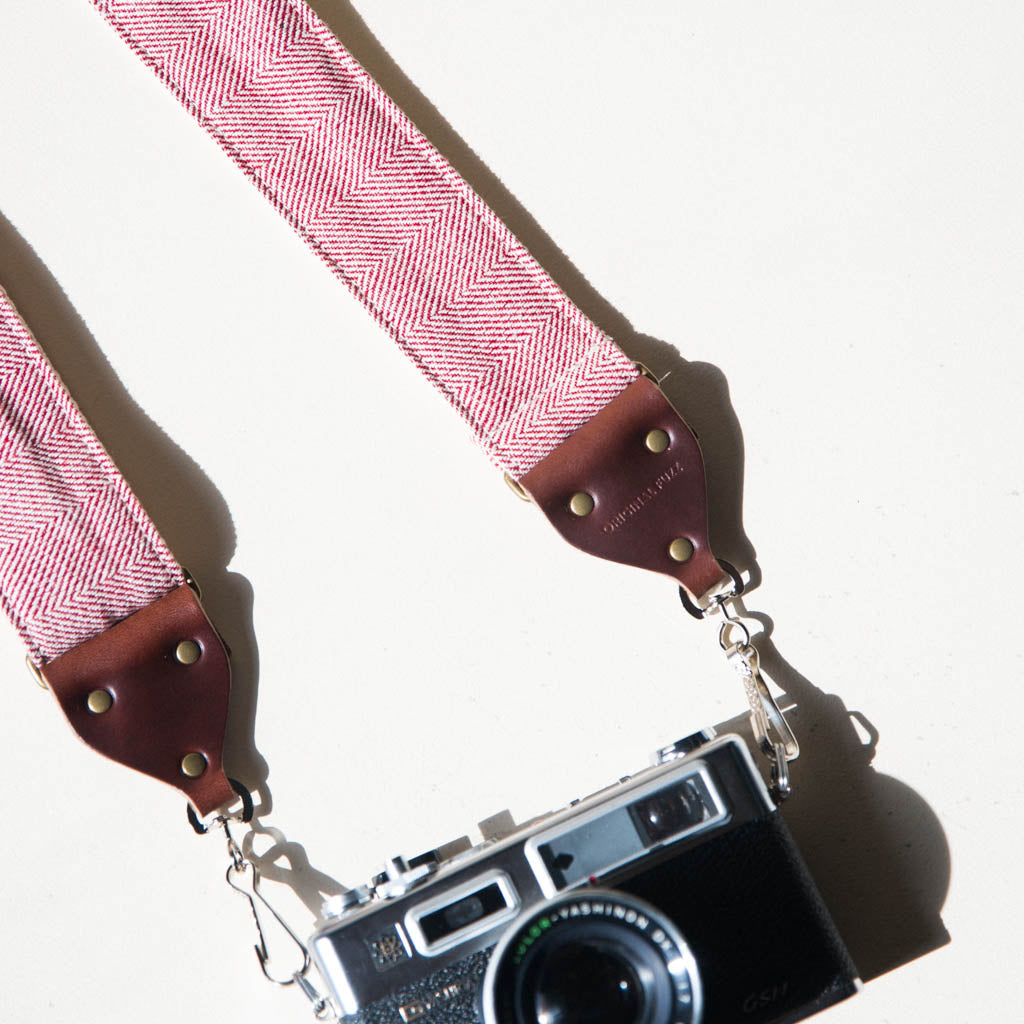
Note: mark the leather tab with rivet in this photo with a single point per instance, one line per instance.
(167, 678)
(642, 468)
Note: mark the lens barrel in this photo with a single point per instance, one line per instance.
(592, 957)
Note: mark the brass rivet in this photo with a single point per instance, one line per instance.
(193, 765)
(37, 674)
(680, 550)
(187, 652)
(657, 441)
(99, 701)
(581, 504)
(517, 488)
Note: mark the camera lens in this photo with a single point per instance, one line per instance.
(584, 984)
(592, 957)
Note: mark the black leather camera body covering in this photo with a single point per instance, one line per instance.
(765, 945)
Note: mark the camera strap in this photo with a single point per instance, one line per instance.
(113, 625)
(109, 619)
(549, 396)
(574, 423)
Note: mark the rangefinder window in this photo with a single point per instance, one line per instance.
(438, 924)
(445, 922)
(672, 811)
(617, 834)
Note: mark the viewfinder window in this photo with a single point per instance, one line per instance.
(456, 916)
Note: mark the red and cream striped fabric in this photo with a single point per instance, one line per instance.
(392, 218)
(389, 215)
(77, 552)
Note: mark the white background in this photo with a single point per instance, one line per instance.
(818, 206)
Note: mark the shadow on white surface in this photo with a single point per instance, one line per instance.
(875, 848)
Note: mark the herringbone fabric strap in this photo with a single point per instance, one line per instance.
(390, 216)
(77, 552)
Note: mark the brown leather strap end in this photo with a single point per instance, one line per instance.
(135, 695)
(617, 490)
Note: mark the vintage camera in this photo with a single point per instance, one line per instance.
(675, 896)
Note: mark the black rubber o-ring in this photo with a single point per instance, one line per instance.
(733, 574)
(247, 808)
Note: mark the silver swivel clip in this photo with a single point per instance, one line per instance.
(772, 732)
(243, 876)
